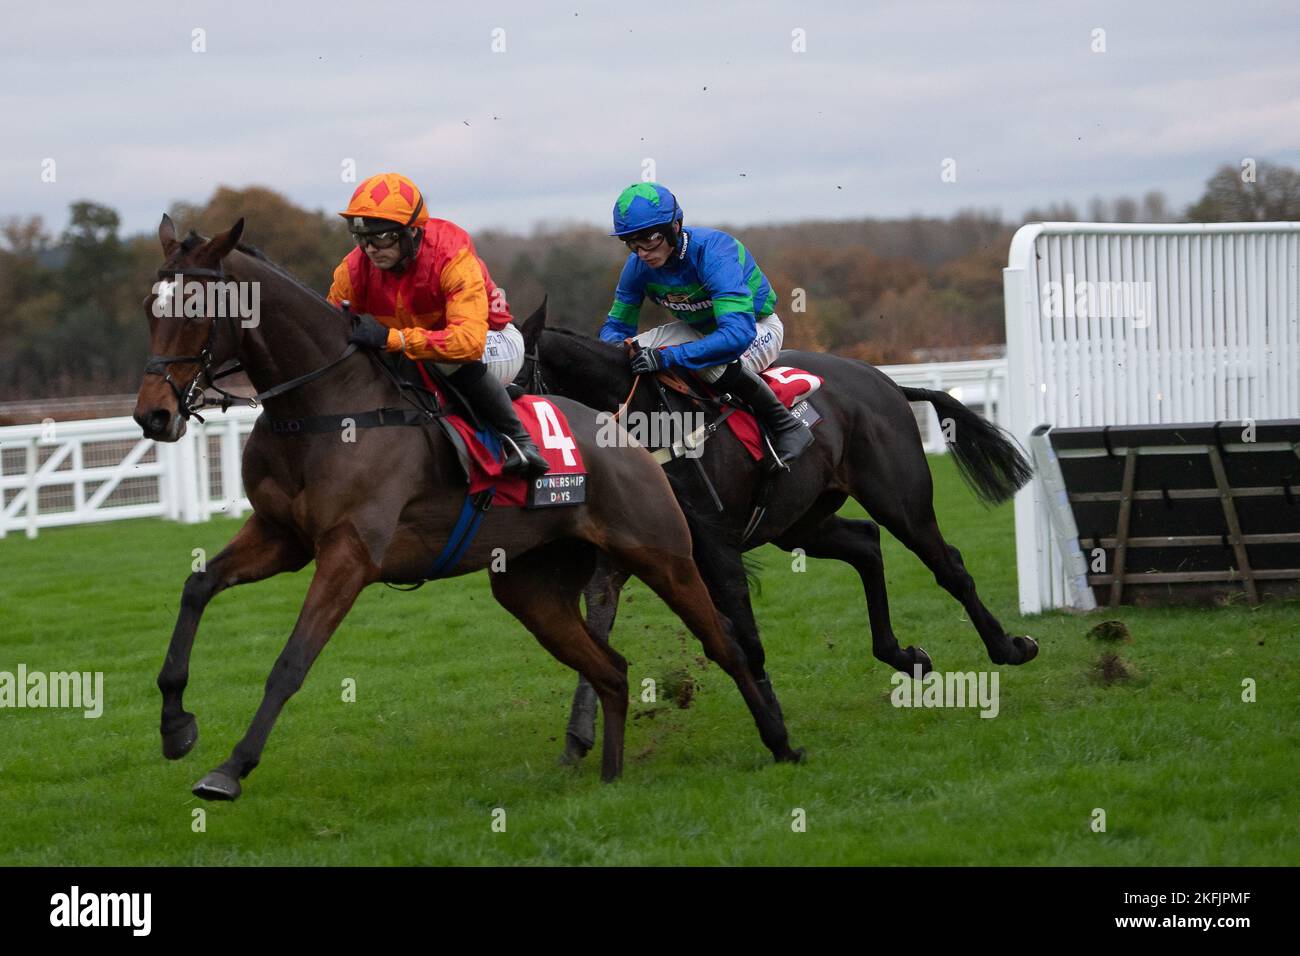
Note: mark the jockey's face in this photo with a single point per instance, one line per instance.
(657, 255)
(383, 258)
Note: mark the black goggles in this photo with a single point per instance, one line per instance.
(645, 242)
(380, 240)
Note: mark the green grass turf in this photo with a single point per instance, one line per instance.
(459, 712)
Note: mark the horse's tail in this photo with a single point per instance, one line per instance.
(989, 459)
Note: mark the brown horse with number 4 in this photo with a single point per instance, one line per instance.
(381, 507)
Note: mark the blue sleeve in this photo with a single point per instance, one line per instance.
(722, 272)
(625, 313)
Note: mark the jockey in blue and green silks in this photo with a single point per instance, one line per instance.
(728, 330)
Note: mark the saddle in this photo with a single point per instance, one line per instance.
(482, 456)
(792, 386)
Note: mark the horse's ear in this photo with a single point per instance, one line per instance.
(219, 246)
(534, 325)
(167, 235)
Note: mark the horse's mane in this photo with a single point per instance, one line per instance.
(281, 271)
(582, 336)
(193, 240)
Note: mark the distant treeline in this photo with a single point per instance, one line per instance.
(72, 321)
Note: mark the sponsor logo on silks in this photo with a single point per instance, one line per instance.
(681, 302)
(102, 909)
(951, 689)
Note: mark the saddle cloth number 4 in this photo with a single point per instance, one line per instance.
(553, 436)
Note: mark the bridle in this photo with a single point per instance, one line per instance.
(190, 399)
(536, 383)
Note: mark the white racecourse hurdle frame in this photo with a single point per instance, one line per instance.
(1116, 324)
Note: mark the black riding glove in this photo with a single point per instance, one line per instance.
(369, 333)
(647, 361)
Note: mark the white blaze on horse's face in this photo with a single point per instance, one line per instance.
(163, 291)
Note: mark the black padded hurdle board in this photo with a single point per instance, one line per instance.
(1198, 513)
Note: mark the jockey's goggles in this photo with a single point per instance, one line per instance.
(645, 243)
(380, 240)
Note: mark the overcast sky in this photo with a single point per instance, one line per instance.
(740, 125)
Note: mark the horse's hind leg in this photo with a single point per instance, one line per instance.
(858, 543)
(343, 568)
(541, 589)
(259, 550)
(911, 519)
(602, 594)
(723, 571)
(676, 579)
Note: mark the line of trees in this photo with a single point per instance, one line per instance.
(72, 320)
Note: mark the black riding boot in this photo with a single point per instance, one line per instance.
(488, 398)
(790, 438)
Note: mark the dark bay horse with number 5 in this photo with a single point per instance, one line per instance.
(380, 507)
(867, 446)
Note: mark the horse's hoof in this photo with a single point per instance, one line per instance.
(218, 785)
(918, 656)
(179, 742)
(574, 750)
(1028, 648)
(791, 756)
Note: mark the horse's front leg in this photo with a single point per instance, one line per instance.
(259, 550)
(343, 568)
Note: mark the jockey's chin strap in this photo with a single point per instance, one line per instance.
(190, 400)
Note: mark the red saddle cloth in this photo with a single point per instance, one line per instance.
(547, 426)
(791, 385)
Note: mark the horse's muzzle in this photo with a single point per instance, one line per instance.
(160, 424)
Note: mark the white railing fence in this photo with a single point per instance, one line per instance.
(1117, 324)
(980, 385)
(69, 473)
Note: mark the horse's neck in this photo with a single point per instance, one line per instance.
(295, 335)
(585, 374)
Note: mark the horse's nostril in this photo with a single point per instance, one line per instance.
(158, 422)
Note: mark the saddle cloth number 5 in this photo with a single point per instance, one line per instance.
(553, 436)
(788, 376)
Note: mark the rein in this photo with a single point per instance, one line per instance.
(636, 380)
